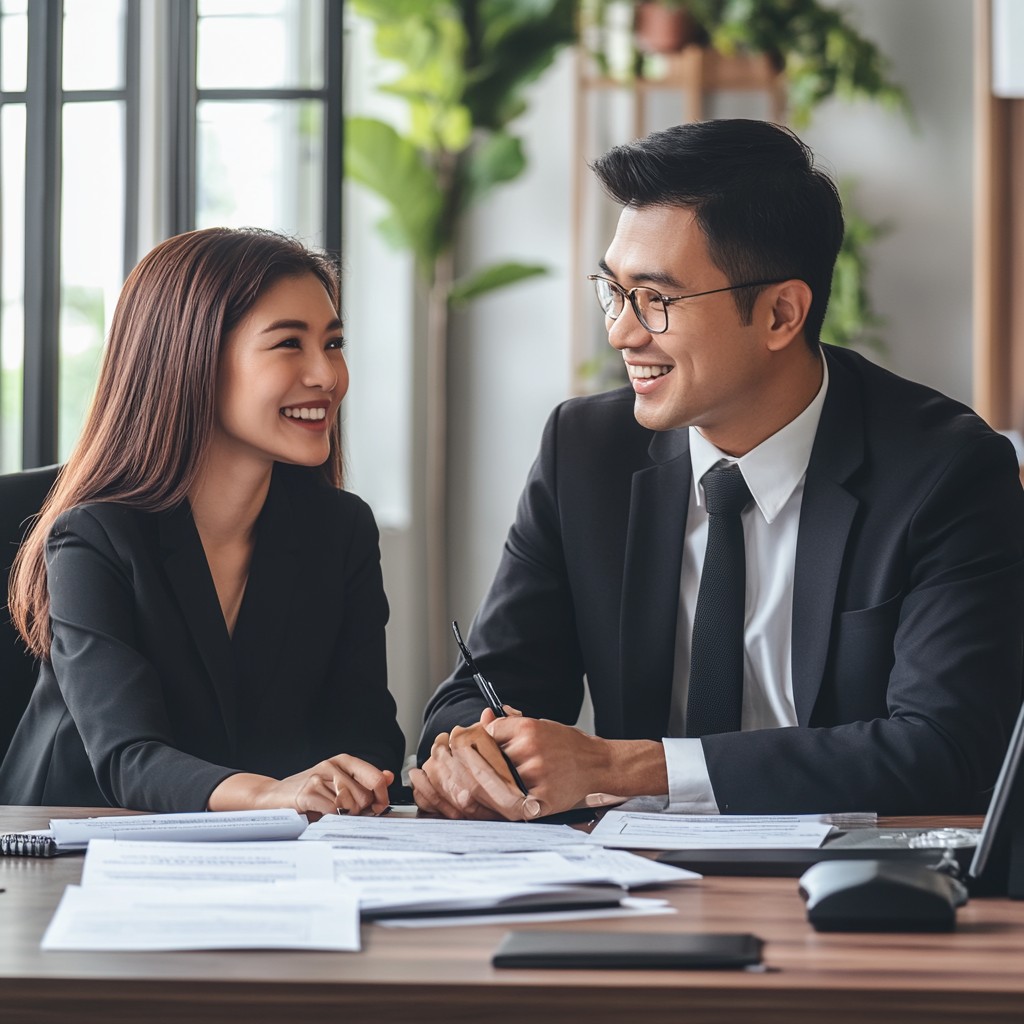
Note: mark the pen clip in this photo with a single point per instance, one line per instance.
(484, 685)
(490, 696)
(464, 649)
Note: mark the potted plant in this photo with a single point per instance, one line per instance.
(463, 67)
(817, 47)
(661, 26)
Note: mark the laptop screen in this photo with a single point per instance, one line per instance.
(1000, 799)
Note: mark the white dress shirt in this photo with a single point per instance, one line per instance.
(774, 471)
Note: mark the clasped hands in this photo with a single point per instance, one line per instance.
(466, 775)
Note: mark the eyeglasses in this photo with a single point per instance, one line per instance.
(650, 306)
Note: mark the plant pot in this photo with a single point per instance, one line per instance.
(659, 28)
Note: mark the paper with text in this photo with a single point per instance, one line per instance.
(123, 862)
(434, 835)
(632, 831)
(206, 826)
(626, 868)
(287, 915)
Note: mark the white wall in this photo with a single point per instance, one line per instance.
(919, 178)
(510, 353)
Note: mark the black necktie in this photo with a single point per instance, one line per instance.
(715, 696)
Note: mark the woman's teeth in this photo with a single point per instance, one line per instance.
(305, 413)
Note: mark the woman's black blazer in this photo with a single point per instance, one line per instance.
(148, 703)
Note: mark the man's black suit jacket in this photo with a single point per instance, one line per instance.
(908, 607)
(148, 703)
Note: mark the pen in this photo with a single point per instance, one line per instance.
(485, 687)
(490, 696)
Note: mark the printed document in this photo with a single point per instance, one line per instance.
(632, 831)
(121, 862)
(437, 835)
(286, 915)
(206, 826)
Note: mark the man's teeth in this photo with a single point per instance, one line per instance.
(305, 414)
(640, 372)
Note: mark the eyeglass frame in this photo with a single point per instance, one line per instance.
(665, 300)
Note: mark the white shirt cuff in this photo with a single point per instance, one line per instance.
(689, 786)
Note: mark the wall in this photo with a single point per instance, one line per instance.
(919, 178)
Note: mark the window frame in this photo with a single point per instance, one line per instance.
(182, 33)
(44, 99)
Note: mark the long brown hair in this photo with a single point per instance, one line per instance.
(152, 414)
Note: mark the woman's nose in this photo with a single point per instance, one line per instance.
(321, 372)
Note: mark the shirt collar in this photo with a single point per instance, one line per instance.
(773, 469)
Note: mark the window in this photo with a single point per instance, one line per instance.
(123, 122)
(13, 72)
(268, 125)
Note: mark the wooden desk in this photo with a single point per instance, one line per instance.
(444, 975)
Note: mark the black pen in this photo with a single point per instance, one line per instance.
(490, 696)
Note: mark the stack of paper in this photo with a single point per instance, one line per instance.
(186, 895)
(207, 826)
(633, 831)
(438, 835)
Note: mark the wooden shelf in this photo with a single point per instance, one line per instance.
(697, 72)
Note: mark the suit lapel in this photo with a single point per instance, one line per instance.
(273, 597)
(650, 588)
(189, 575)
(826, 515)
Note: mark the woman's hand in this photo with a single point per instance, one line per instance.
(341, 784)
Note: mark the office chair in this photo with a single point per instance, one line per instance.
(21, 497)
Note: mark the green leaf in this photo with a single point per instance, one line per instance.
(495, 160)
(497, 276)
(395, 10)
(512, 44)
(383, 161)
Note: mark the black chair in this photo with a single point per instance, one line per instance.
(21, 497)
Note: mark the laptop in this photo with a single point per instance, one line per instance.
(990, 860)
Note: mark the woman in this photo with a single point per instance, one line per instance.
(207, 603)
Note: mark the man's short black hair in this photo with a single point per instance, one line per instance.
(764, 208)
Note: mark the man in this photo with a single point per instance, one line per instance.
(846, 635)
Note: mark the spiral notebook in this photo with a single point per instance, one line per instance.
(33, 843)
(68, 835)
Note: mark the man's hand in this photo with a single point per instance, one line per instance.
(558, 764)
(467, 777)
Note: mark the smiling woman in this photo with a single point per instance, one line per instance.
(282, 367)
(206, 601)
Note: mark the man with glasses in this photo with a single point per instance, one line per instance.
(792, 581)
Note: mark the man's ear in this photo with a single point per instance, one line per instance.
(790, 304)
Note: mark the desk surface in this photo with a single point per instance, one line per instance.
(444, 975)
